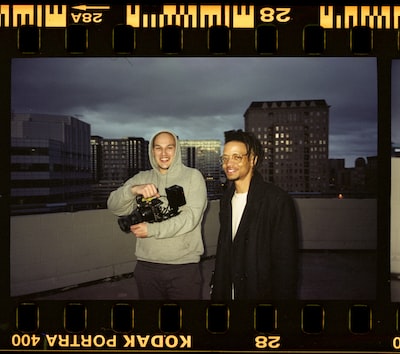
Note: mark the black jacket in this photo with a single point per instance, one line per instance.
(262, 261)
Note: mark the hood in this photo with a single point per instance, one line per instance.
(177, 161)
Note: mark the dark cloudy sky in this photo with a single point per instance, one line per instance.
(199, 98)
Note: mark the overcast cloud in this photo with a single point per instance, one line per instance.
(199, 98)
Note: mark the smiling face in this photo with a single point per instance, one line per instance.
(164, 147)
(237, 171)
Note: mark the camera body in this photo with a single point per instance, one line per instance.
(150, 210)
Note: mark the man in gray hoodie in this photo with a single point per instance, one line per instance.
(168, 252)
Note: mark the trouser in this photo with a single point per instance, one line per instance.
(168, 281)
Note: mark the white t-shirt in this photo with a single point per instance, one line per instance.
(239, 201)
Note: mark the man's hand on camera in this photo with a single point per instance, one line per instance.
(139, 230)
(146, 190)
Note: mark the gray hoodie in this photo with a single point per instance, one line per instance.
(177, 240)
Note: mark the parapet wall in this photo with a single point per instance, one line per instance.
(51, 251)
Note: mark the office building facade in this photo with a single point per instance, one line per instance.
(50, 162)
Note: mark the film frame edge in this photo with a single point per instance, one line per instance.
(381, 333)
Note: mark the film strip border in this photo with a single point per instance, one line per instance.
(209, 30)
(198, 326)
(200, 29)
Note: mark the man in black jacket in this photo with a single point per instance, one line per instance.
(257, 253)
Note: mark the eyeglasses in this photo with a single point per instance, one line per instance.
(237, 158)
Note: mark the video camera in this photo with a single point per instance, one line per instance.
(150, 210)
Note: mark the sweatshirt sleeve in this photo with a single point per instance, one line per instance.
(121, 201)
(191, 214)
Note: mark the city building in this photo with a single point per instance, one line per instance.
(295, 137)
(50, 162)
(337, 175)
(358, 181)
(96, 152)
(114, 161)
(204, 155)
(123, 158)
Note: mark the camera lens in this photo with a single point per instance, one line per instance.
(124, 223)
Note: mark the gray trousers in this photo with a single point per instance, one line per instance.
(168, 281)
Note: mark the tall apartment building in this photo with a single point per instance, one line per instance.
(204, 155)
(294, 135)
(114, 161)
(118, 159)
(50, 162)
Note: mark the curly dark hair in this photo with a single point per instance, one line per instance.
(253, 145)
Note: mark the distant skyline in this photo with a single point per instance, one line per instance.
(199, 98)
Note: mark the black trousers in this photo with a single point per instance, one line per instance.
(168, 281)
